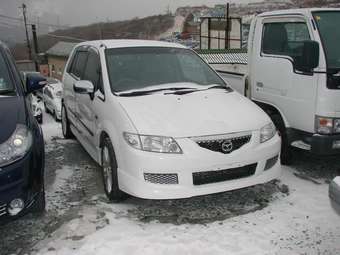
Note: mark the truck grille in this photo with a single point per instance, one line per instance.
(3, 209)
(200, 178)
(161, 178)
(224, 145)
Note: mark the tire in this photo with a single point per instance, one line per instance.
(55, 116)
(40, 119)
(286, 151)
(46, 110)
(110, 174)
(39, 204)
(65, 124)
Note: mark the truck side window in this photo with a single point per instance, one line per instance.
(92, 71)
(284, 38)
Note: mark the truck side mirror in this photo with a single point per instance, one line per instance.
(309, 58)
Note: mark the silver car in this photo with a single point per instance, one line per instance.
(52, 98)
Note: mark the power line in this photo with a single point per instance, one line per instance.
(40, 23)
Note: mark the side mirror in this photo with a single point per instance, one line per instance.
(35, 82)
(309, 58)
(83, 87)
(334, 194)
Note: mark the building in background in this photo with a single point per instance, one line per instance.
(57, 57)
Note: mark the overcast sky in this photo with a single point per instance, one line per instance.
(80, 12)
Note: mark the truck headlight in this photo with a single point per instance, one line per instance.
(16, 146)
(152, 143)
(327, 125)
(267, 132)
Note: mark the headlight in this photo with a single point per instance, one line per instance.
(152, 143)
(267, 132)
(326, 125)
(16, 146)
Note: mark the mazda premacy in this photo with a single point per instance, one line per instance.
(161, 122)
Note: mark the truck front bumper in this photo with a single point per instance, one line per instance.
(317, 144)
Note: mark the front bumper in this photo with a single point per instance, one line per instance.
(16, 182)
(334, 194)
(133, 164)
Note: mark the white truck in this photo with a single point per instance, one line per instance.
(293, 73)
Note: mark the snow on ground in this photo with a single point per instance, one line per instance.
(301, 223)
(258, 220)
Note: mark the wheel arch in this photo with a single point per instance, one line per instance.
(271, 110)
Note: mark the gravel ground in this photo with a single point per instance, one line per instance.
(73, 184)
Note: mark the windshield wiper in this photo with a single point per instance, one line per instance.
(148, 92)
(183, 92)
(6, 92)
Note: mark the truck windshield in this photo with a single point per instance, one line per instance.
(328, 23)
(142, 67)
(6, 85)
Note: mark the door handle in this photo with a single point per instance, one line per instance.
(259, 84)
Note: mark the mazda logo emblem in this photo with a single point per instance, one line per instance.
(227, 146)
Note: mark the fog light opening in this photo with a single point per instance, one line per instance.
(336, 144)
(16, 206)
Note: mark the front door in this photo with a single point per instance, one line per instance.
(279, 44)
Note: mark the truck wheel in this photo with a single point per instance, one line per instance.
(65, 124)
(110, 174)
(286, 152)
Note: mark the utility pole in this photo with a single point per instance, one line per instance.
(36, 48)
(27, 37)
(227, 31)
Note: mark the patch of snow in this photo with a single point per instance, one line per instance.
(301, 223)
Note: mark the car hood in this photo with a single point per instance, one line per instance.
(12, 112)
(196, 114)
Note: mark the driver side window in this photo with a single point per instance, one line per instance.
(284, 38)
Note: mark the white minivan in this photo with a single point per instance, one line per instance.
(162, 124)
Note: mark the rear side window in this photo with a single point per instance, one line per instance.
(92, 70)
(78, 63)
(284, 38)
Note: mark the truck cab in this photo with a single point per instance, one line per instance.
(294, 75)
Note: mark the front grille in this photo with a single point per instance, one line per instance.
(200, 178)
(3, 209)
(161, 178)
(225, 146)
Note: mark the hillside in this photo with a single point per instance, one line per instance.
(144, 28)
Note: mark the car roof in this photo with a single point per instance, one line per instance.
(301, 11)
(125, 43)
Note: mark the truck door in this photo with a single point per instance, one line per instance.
(278, 43)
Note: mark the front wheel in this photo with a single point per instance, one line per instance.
(286, 151)
(110, 173)
(65, 124)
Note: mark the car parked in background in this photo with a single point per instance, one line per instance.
(36, 107)
(162, 123)
(21, 142)
(52, 98)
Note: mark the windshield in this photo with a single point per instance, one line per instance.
(6, 85)
(328, 23)
(143, 67)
